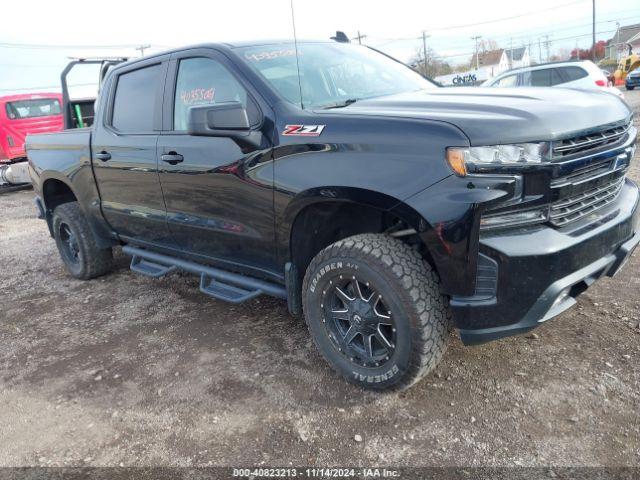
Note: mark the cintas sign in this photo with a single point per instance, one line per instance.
(472, 77)
(465, 79)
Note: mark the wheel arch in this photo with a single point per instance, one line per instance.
(321, 216)
(56, 189)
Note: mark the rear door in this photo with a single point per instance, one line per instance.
(124, 152)
(541, 77)
(219, 194)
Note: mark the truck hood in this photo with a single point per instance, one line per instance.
(502, 115)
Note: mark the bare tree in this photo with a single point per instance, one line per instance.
(432, 65)
(487, 44)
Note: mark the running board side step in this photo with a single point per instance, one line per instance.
(220, 284)
(150, 269)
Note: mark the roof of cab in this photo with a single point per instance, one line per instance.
(224, 46)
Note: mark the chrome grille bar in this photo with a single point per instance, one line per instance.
(573, 208)
(590, 141)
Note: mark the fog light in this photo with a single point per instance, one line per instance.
(510, 219)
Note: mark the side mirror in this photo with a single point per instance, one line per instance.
(217, 120)
(227, 119)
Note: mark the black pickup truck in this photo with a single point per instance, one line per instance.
(382, 207)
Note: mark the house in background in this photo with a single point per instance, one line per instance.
(518, 57)
(617, 46)
(634, 43)
(494, 62)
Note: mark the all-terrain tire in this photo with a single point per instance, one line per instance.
(409, 288)
(77, 245)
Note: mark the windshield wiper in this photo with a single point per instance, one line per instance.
(341, 104)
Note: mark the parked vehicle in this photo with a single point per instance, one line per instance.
(583, 74)
(382, 207)
(633, 79)
(625, 65)
(24, 114)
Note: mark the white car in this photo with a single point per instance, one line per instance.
(583, 74)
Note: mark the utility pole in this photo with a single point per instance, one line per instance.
(593, 48)
(546, 45)
(510, 56)
(142, 48)
(424, 51)
(360, 37)
(476, 38)
(617, 40)
(539, 51)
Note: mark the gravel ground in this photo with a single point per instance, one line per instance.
(126, 370)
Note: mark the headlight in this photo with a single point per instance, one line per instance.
(516, 154)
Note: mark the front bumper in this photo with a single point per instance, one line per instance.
(540, 272)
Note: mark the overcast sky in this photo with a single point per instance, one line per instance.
(33, 30)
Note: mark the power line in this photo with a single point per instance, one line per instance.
(389, 40)
(466, 54)
(534, 12)
(37, 46)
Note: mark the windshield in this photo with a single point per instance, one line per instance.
(41, 107)
(331, 74)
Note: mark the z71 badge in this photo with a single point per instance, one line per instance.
(303, 130)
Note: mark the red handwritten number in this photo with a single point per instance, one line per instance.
(197, 95)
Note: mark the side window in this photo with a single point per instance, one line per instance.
(573, 73)
(203, 81)
(509, 81)
(541, 78)
(133, 106)
(556, 78)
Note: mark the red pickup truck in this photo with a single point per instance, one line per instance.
(23, 114)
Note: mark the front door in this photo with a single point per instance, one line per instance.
(124, 150)
(218, 194)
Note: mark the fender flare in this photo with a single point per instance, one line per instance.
(101, 235)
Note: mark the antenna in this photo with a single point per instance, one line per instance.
(295, 43)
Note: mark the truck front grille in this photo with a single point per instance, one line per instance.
(578, 206)
(584, 143)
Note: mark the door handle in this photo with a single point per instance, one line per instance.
(172, 158)
(104, 156)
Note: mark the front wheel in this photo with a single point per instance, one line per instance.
(77, 245)
(375, 311)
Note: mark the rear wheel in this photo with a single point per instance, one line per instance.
(375, 312)
(76, 243)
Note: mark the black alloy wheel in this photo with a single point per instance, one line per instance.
(358, 321)
(70, 248)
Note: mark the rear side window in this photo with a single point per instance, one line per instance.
(541, 78)
(133, 106)
(573, 73)
(544, 77)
